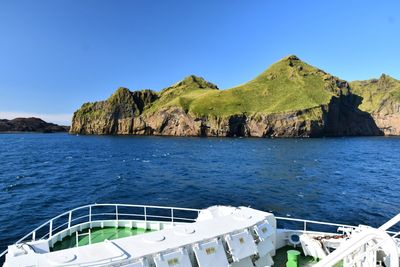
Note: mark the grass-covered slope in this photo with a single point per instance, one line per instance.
(379, 95)
(290, 98)
(182, 93)
(288, 85)
(122, 101)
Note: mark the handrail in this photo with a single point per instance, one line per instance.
(392, 222)
(306, 222)
(357, 241)
(145, 215)
(360, 239)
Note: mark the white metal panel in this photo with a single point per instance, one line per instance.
(265, 247)
(264, 261)
(177, 258)
(138, 263)
(246, 262)
(241, 245)
(312, 247)
(264, 230)
(211, 254)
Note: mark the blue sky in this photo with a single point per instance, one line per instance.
(56, 55)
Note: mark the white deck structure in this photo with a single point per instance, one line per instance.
(214, 237)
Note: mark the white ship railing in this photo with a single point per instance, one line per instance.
(116, 214)
(380, 238)
(306, 223)
(145, 215)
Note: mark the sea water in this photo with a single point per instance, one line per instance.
(346, 180)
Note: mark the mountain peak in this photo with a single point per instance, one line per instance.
(291, 57)
(385, 76)
(122, 90)
(120, 94)
(289, 61)
(195, 81)
(290, 66)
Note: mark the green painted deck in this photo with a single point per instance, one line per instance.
(97, 235)
(280, 258)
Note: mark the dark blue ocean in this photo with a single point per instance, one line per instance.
(345, 180)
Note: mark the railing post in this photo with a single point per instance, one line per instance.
(145, 216)
(116, 213)
(51, 228)
(69, 219)
(172, 216)
(33, 235)
(90, 214)
(305, 225)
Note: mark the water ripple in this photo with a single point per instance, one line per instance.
(347, 180)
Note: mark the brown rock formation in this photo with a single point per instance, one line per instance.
(381, 98)
(195, 107)
(339, 118)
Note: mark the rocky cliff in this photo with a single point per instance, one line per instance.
(290, 99)
(113, 116)
(381, 98)
(30, 125)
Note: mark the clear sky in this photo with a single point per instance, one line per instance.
(57, 54)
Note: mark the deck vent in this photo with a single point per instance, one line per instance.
(61, 259)
(153, 238)
(185, 231)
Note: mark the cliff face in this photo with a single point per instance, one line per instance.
(113, 116)
(30, 125)
(290, 99)
(335, 119)
(338, 118)
(381, 98)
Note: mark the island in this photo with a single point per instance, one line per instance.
(290, 99)
(30, 125)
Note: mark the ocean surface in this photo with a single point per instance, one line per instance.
(345, 180)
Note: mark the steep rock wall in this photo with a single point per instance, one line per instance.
(339, 118)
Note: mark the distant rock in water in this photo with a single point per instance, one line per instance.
(289, 99)
(30, 125)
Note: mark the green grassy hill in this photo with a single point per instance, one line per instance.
(291, 98)
(182, 93)
(288, 85)
(378, 94)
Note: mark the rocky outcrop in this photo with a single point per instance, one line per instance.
(338, 118)
(290, 99)
(113, 116)
(389, 124)
(30, 125)
(381, 98)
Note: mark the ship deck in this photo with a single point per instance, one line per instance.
(98, 235)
